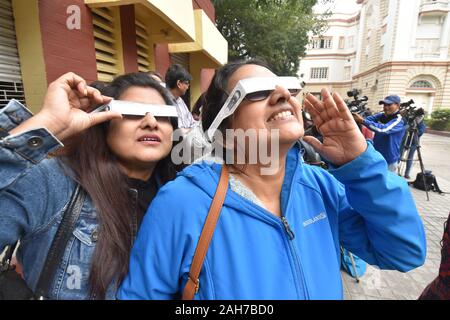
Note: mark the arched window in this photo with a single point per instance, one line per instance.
(421, 84)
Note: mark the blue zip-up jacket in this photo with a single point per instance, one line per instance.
(389, 132)
(254, 255)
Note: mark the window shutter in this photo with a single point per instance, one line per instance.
(10, 75)
(106, 28)
(143, 49)
(180, 58)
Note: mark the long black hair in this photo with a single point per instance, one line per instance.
(95, 168)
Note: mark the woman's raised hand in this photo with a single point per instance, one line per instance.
(342, 139)
(67, 106)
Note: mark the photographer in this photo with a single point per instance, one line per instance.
(389, 128)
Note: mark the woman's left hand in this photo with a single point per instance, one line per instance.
(342, 139)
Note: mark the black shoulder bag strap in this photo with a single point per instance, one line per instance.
(56, 251)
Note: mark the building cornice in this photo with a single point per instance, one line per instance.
(349, 20)
(335, 83)
(329, 55)
(403, 64)
(338, 24)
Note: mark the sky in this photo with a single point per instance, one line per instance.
(339, 6)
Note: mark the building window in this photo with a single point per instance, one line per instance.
(108, 48)
(430, 19)
(427, 47)
(347, 73)
(322, 43)
(341, 42)
(350, 41)
(422, 84)
(319, 73)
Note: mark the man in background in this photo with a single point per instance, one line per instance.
(178, 81)
(389, 127)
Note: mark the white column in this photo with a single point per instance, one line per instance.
(445, 31)
(359, 39)
(414, 23)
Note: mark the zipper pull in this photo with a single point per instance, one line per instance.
(288, 228)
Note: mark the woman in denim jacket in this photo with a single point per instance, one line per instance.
(120, 162)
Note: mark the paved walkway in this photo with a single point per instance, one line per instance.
(381, 284)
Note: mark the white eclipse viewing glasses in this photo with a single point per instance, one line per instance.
(129, 108)
(252, 89)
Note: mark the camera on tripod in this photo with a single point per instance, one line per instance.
(411, 112)
(358, 105)
(354, 93)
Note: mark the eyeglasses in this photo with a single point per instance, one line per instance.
(264, 94)
(129, 108)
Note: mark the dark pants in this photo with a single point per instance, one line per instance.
(410, 159)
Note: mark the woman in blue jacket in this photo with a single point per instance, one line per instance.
(110, 156)
(278, 236)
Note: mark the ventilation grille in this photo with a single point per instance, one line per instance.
(11, 86)
(143, 49)
(11, 90)
(106, 43)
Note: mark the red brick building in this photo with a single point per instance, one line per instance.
(100, 39)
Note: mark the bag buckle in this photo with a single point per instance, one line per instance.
(197, 285)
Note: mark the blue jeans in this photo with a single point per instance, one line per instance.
(409, 161)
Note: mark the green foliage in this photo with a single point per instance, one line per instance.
(439, 125)
(273, 30)
(441, 114)
(440, 120)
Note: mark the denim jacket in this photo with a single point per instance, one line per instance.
(34, 192)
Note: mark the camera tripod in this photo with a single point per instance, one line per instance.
(410, 143)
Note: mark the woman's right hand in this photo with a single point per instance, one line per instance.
(66, 108)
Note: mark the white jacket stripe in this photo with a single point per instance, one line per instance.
(374, 128)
